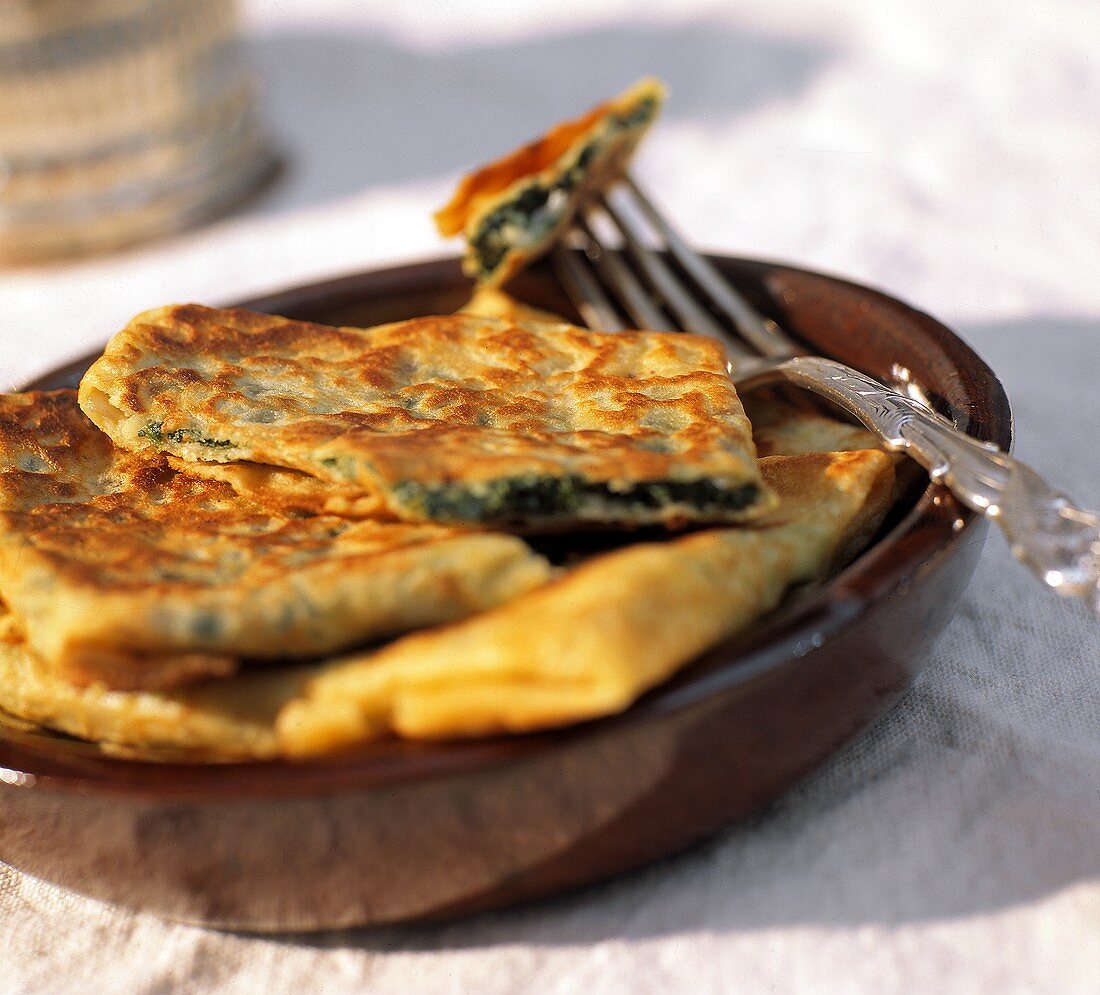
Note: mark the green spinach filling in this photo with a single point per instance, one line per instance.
(154, 432)
(546, 497)
(342, 466)
(534, 211)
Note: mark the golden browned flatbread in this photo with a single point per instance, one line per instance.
(126, 572)
(453, 419)
(591, 642)
(228, 719)
(513, 209)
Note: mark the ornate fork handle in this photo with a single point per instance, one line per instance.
(1059, 542)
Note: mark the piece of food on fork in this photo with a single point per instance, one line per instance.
(513, 209)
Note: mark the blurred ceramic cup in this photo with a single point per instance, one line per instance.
(121, 120)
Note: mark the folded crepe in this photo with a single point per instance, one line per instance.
(785, 425)
(512, 210)
(223, 720)
(589, 643)
(457, 419)
(125, 572)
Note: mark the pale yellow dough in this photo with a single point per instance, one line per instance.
(590, 643)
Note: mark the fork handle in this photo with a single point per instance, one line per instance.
(1059, 542)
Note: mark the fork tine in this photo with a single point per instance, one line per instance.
(634, 297)
(763, 333)
(676, 296)
(584, 290)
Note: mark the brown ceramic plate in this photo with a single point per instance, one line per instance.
(406, 832)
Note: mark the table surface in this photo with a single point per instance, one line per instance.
(945, 152)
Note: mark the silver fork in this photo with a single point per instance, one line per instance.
(1057, 541)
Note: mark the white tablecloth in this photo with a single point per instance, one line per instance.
(946, 152)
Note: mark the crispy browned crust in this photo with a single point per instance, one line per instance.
(542, 163)
(783, 422)
(436, 405)
(126, 572)
(291, 492)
